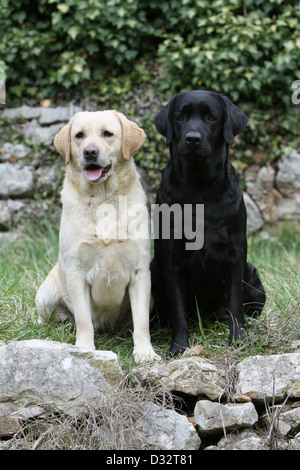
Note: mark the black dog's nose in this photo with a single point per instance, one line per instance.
(91, 152)
(193, 138)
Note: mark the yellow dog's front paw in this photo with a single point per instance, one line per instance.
(145, 355)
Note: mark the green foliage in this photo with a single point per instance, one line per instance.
(108, 49)
(62, 44)
(248, 50)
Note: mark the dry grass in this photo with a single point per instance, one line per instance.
(113, 426)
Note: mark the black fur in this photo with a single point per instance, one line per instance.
(199, 127)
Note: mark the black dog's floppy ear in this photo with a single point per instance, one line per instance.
(163, 122)
(235, 120)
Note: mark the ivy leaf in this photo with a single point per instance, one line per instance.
(63, 7)
(74, 31)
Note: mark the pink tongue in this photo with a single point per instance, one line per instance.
(93, 175)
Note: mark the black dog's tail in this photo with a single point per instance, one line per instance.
(254, 295)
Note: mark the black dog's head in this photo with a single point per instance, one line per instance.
(200, 122)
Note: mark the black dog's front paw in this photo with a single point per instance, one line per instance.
(237, 336)
(242, 339)
(177, 349)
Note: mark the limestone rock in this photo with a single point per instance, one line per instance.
(288, 183)
(44, 115)
(192, 375)
(260, 185)
(244, 440)
(254, 218)
(36, 373)
(294, 444)
(213, 417)
(288, 421)
(23, 112)
(288, 208)
(15, 205)
(59, 114)
(6, 151)
(5, 216)
(9, 426)
(288, 176)
(260, 377)
(15, 180)
(40, 134)
(9, 150)
(47, 177)
(167, 430)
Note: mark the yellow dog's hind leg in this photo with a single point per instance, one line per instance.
(48, 299)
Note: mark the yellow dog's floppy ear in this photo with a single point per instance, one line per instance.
(133, 136)
(62, 141)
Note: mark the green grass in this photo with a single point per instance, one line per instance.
(26, 260)
(24, 263)
(276, 254)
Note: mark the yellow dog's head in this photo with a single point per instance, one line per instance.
(94, 141)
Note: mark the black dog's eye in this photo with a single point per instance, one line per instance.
(180, 117)
(107, 134)
(80, 135)
(211, 117)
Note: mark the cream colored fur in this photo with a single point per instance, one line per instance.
(99, 278)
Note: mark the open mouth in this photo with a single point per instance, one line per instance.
(94, 173)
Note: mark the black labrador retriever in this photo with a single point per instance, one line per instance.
(214, 276)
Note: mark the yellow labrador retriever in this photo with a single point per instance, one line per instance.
(103, 267)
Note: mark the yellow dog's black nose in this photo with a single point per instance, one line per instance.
(90, 153)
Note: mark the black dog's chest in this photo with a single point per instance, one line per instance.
(216, 250)
(223, 246)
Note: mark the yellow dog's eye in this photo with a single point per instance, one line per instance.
(107, 134)
(80, 135)
(211, 117)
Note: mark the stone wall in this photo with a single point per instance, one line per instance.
(272, 194)
(276, 192)
(28, 176)
(250, 405)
